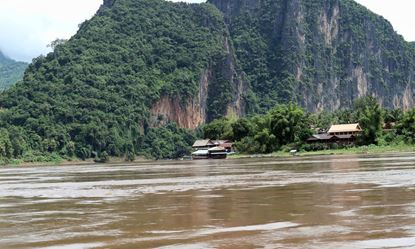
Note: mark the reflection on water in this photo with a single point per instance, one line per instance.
(319, 202)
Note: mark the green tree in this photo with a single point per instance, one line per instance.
(393, 116)
(288, 123)
(406, 126)
(218, 129)
(242, 128)
(370, 117)
(6, 149)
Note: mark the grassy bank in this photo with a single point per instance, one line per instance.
(59, 161)
(372, 149)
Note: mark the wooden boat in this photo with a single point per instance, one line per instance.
(212, 153)
(200, 154)
(218, 153)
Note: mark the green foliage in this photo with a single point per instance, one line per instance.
(370, 117)
(167, 142)
(285, 124)
(102, 157)
(218, 129)
(406, 126)
(289, 124)
(392, 116)
(92, 96)
(243, 127)
(10, 71)
(323, 120)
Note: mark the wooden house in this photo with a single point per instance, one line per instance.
(211, 149)
(340, 134)
(203, 144)
(345, 129)
(227, 144)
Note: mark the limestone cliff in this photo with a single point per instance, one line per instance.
(220, 93)
(322, 54)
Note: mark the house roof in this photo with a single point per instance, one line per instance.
(345, 128)
(202, 143)
(227, 145)
(323, 136)
(318, 137)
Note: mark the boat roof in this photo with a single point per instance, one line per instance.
(221, 141)
(216, 149)
(200, 153)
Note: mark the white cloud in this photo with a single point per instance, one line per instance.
(399, 12)
(27, 26)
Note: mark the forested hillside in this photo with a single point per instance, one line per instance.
(322, 54)
(141, 71)
(93, 95)
(10, 71)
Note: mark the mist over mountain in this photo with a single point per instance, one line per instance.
(10, 71)
(138, 65)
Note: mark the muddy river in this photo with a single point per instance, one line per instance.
(316, 202)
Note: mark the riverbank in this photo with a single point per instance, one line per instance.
(55, 161)
(63, 162)
(348, 151)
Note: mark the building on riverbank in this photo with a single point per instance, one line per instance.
(339, 134)
(227, 144)
(345, 129)
(212, 149)
(204, 144)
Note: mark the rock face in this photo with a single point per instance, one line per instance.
(322, 54)
(220, 93)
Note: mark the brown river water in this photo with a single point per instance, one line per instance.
(317, 202)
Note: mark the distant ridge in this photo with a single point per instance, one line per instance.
(10, 71)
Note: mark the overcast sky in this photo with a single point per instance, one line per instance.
(27, 26)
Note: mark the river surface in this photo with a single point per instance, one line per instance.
(317, 202)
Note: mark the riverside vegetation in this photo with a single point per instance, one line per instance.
(281, 129)
(92, 97)
(287, 127)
